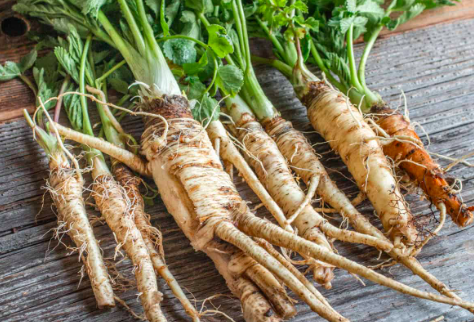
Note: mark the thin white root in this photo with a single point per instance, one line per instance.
(129, 309)
(113, 203)
(313, 185)
(442, 220)
(229, 233)
(131, 160)
(272, 251)
(257, 227)
(230, 153)
(107, 111)
(151, 235)
(456, 161)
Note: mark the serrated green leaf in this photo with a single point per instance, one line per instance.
(154, 5)
(206, 110)
(230, 78)
(172, 11)
(9, 71)
(27, 61)
(219, 41)
(196, 67)
(371, 9)
(72, 106)
(414, 11)
(193, 87)
(191, 27)
(200, 6)
(92, 7)
(119, 85)
(351, 6)
(45, 90)
(67, 62)
(180, 51)
(50, 65)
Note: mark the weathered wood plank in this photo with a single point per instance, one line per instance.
(438, 83)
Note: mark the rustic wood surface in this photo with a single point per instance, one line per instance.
(40, 281)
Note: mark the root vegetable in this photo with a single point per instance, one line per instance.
(66, 191)
(168, 177)
(357, 145)
(418, 164)
(115, 206)
(151, 235)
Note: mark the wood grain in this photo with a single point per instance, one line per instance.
(433, 66)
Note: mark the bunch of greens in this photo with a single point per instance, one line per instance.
(341, 23)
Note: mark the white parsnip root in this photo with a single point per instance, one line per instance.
(151, 235)
(65, 187)
(342, 125)
(206, 204)
(113, 203)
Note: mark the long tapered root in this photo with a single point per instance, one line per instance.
(114, 205)
(269, 248)
(151, 235)
(226, 231)
(257, 227)
(272, 170)
(306, 164)
(131, 160)
(66, 191)
(229, 152)
(419, 165)
(342, 125)
(195, 189)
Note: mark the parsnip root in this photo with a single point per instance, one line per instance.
(66, 187)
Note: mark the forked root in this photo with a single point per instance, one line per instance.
(115, 206)
(226, 231)
(229, 152)
(269, 248)
(257, 227)
(151, 235)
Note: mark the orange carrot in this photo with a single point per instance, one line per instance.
(417, 163)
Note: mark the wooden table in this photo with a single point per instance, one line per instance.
(434, 66)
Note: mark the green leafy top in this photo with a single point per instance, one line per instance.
(122, 24)
(344, 21)
(11, 70)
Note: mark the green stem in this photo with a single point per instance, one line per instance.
(350, 56)
(110, 132)
(247, 54)
(29, 83)
(123, 99)
(148, 31)
(238, 26)
(200, 43)
(271, 36)
(322, 67)
(87, 128)
(278, 64)
(122, 45)
(365, 54)
(203, 19)
(139, 41)
(47, 142)
(110, 71)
